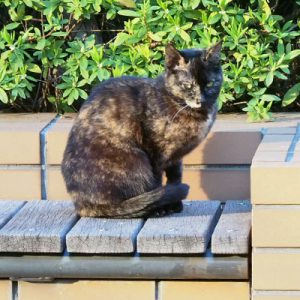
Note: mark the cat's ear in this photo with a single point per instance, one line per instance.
(173, 58)
(214, 53)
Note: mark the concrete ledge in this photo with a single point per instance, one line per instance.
(133, 290)
(20, 182)
(240, 142)
(20, 140)
(173, 290)
(85, 289)
(5, 290)
(57, 139)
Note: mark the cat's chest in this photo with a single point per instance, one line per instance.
(177, 138)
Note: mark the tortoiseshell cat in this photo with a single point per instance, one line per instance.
(131, 130)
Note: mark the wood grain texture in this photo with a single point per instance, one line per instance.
(185, 232)
(91, 235)
(8, 209)
(40, 226)
(232, 233)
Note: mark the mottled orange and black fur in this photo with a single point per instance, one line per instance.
(131, 130)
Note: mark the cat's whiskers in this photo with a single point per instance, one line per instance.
(178, 111)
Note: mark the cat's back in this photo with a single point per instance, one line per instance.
(123, 91)
(114, 109)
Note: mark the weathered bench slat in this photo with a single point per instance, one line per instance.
(8, 209)
(231, 235)
(185, 232)
(92, 235)
(40, 226)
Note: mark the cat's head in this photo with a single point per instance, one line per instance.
(194, 76)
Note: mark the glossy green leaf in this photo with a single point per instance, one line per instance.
(111, 14)
(121, 38)
(155, 37)
(82, 94)
(28, 2)
(269, 78)
(3, 96)
(291, 95)
(60, 33)
(265, 7)
(214, 17)
(127, 3)
(41, 44)
(12, 26)
(34, 68)
(192, 14)
(194, 3)
(291, 55)
(184, 36)
(128, 13)
(280, 75)
(269, 97)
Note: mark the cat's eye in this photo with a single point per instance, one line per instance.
(210, 84)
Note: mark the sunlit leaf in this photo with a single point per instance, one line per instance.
(292, 54)
(291, 95)
(269, 78)
(127, 3)
(128, 13)
(121, 38)
(3, 96)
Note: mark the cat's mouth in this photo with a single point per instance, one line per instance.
(193, 104)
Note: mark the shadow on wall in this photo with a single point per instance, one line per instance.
(224, 173)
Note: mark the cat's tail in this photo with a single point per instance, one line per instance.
(145, 204)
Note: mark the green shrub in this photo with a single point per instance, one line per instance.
(53, 51)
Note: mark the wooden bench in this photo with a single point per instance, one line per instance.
(43, 240)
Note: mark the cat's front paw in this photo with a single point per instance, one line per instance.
(168, 209)
(175, 208)
(160, 212)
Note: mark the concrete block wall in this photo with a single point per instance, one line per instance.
(275, 194)
(32, 147)
(125, 290)
(6, 290)
(30, 155)
(218, 169)
(20, 162)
